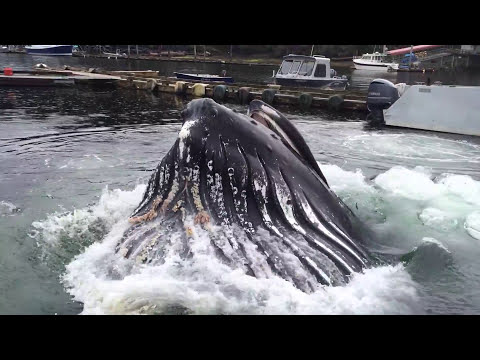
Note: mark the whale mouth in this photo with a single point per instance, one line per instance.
(263, 117)
(255, 191)
(281, 126)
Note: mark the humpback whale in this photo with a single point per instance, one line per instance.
(252, 186)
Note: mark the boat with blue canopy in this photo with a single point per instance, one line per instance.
(203, 77)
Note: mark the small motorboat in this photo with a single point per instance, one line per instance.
(309, 71)
(445, 108)
(62, 50)
(203, 77)
(375, 61)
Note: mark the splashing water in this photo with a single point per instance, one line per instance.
(107, 283)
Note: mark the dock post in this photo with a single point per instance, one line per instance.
(410, 58)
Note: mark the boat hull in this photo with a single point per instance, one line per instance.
(203, 78)
(320, 83)
(53, 50)
(451, 109)
(371, 67)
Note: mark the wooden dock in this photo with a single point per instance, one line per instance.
(244, 92)
(149, 80)
(49, 77)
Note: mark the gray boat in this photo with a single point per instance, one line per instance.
(445, 108)
(309, 71)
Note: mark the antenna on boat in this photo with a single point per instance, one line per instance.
(204, 56)
(311, 53)
(195, 56)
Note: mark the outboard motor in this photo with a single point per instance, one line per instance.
(381, 95)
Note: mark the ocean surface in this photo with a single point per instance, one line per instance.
(74, 164)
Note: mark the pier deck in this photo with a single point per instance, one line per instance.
(149, 80)
(48, 77)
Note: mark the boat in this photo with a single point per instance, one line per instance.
(115, 54)
(409, 61)
(203, 77)
(309, 71)
(437, 107)
(375, 61)
(64, 50)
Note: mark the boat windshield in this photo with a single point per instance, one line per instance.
(289, 67)
(295, 66)
(306, 68)
(286, 66)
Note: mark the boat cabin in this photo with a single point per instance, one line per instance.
(301, 70)
(300, 66)
(376, 57)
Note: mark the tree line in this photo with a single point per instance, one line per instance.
(266, 51)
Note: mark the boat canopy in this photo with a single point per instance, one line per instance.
(376, 56)
(305, 57)
(415, 48)
(304, 65)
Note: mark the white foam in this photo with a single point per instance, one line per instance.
(413, 184)
(438, 219)
(7, 208)
(462, 186)
(204, 285)
(340, 179)
(472, 224)
(398, 194)
(113, 206)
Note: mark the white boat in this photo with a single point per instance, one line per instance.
(49, 49)
(445, 108)
(375, 61)
(115, 55)
(309, 71)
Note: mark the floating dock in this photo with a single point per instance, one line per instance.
(149, 80)
(243, 93)
(44, 77)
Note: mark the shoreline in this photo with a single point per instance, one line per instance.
(200, 59)
(191, 58)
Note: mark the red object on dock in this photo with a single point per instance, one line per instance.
(8, 71)
(414, 49)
